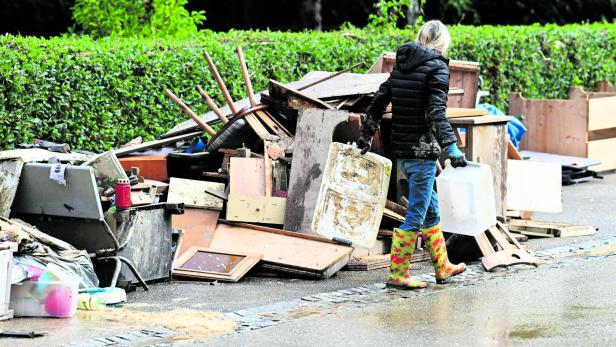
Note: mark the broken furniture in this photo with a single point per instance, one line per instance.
(506, 252)
(283, 251)
(352, 196)
(485, 142)
(70, 212)
(583, 125)
(152, 166)
(216, 265)
(10, 171)
(549, 229)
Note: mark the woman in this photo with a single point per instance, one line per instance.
(417, 89)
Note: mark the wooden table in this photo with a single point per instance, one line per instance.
(486, 142)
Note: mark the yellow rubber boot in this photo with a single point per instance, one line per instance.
(402, 248)
(435, 241)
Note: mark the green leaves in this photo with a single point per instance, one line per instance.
(97, 94)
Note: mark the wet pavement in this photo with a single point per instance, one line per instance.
(564, 301)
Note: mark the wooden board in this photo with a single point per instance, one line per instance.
(344, 85)
(283, 249)
(314, 132)
(277, 89)
(534, 186)
(256, 209)
(216, 264)
(602, 113)
(29, 155)
(153, 167)
(10, 171)
(559, 159)
(153, 144)
(192, 193)
(247, 176)
(549, 229)
(198, 226)
(554, 126)
(603, 150)
(456, 112)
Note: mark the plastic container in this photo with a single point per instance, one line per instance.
(122, 194)
(45, 298)
(466, 199)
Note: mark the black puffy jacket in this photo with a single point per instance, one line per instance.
(417, 89)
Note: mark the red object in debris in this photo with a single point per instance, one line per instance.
(122, 194)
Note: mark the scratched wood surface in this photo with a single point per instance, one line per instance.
(315, 128)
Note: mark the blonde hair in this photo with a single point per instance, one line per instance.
(434, 35)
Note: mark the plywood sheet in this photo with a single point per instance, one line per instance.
(534, 186)
(256, 209)
(344, 85)
(280, 249)
(192, 193)
(198, 226)
(313, 136)
(602, 113)
(603, 150)
(559, 159)
(352, 195)
(38, 154)
(247, 176)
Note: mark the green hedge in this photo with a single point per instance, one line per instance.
(96, 94)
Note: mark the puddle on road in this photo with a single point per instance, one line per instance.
(605, 250)
(527, 332)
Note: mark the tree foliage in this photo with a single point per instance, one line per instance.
(159, 18)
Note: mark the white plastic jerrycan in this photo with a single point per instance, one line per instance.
(466, 199)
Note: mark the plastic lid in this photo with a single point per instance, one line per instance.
(122, 181)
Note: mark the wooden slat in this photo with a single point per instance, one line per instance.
(198, 226)
(602, 113)
(256, 209)
(456, 112)
(247, 176)
(192, 193)
(153, 144)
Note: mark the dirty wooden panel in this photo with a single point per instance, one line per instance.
(282, 249)
(314, 132)
(9, 181)
(215, 264)
(247, 176)
(193, 193)
(352, 195)
(602, 113)
(346, 84)
(256, 209)
(198, 226)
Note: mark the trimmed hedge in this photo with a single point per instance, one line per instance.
(96, 94)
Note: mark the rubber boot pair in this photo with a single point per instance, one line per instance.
(402, 249)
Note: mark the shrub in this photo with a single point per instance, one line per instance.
(96, 94)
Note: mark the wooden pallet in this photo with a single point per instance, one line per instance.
(548, 229)
(508, 250)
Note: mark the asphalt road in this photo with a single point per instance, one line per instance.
(567, 303)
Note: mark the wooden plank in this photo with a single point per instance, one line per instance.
(285, 250)
(10, 171)
(398, 209)
(314, 132)
(605, 86)
(534, 186)
(198, 226)
(277, 89)
(267, 167)
(153, 144)
(480, 120)
(512, 152)
(344, 85)
(602, 113)
(247, 176)
(559, 159)
(457, 112)
(256, 209)
(192, 193)
(40, 155)
(603, 150)
(549, 229)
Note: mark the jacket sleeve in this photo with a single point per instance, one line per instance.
(374, 113)
(438, 87)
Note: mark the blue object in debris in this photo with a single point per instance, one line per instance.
(197, 146)
(515, 127)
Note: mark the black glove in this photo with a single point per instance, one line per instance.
(456, 156)
(364, 143)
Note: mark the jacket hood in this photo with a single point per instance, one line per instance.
(412, 54)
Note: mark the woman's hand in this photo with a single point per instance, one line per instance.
(456, 156)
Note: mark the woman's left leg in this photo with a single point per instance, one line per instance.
(435, 241)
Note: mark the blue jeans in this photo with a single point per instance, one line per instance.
(422, 211)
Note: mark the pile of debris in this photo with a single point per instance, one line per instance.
(275, 190)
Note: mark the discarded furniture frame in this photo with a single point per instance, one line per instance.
(508, 250)
(215, 264)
